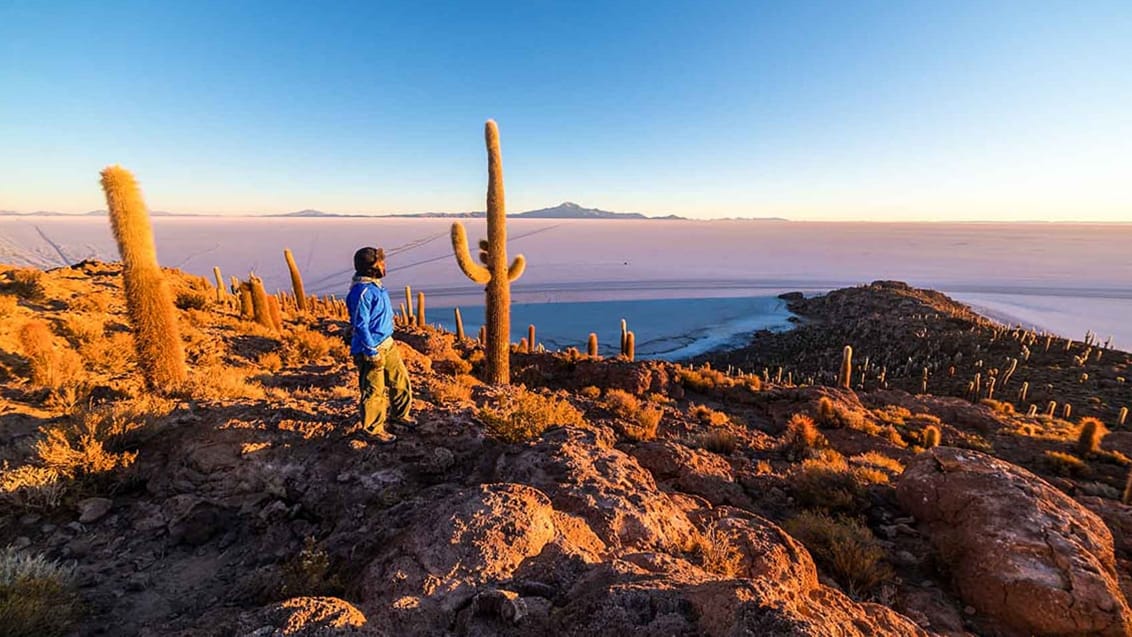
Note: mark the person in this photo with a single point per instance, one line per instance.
(371, 345)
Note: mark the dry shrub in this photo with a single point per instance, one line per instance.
(271, 361)
(82, 329)
(304, 346)
(704, 380)
(836, 416)
(192, 300)
(8, 305)
(26, 283)
(718, 555)
(893, 415)
(307, 573)
(1064, 464)
(718, 441)
(707, 415)
(452, 390)
(518, 414)
(93, 302)
(829, 483)
(114, 352)
(52, 366)
(79, 452)
(31, 486)
(590, 392)
(37, 596)
(642, 420)
(222, 382)
(879, 461)
(801, 436)
(998, 406)
(844, 548)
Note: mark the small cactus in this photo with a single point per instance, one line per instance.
(219, 284)
(296, 281)
(930, 436)
(1123, 416)
(630, 345)
(1126, 497)
(845, 378)
(530, 339)
(276, 313)
(157, 338)
(1023, 391)
(591, 345)
(459, 324)
(421, 310)
(624, 332)
(1089, 438)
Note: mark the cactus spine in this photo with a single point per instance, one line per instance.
(161, 355)
(496, 274)
(296, 281)
(459, 324)
(846, 376)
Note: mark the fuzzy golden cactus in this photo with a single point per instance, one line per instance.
(845, 378)
(591, 345)
(1090, 436)
(219, 284)
(459, 324)
(630, 345)
(931, 436)
(296, 281)
(161, 355)
(496, 273)
(261, 307)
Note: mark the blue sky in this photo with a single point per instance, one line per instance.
(809, 110)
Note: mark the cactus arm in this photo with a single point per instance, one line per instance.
(471, 269)
(518, 266)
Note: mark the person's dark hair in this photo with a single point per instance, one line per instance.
(370, 262)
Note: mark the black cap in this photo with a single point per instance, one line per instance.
(366, 258)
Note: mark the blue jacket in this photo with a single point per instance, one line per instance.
(371, 315)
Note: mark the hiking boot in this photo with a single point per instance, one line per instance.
(380, 437)
(404, 424)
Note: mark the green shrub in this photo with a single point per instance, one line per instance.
(37, 597)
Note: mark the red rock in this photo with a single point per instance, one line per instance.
(692, 471)
(1020, 551)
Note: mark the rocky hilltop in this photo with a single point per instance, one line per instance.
(592, 497)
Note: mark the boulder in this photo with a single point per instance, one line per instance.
(305, 617)
(1020, 551)
(693, 471)
(92, 509)
(473, 537)
(605, 487)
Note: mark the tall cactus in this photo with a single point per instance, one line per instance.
(161, 355)
(498, 274)
(845, 378)
(296, 281)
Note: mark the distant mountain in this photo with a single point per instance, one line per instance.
(311, 213)
(571, 210)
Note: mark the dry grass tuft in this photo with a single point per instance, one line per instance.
(1064, 464)
(718, 555)
(878, 461)
(843, 547)
(8, 306)
(590, 392)
(37, 596)
(26, 283)
(452, 390)
(518, 414)
(718, 441)
(223, 382)
(707, 415)
(305, 346)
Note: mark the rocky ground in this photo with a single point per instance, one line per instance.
(601, 497)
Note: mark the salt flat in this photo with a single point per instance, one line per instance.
(1063, 277)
